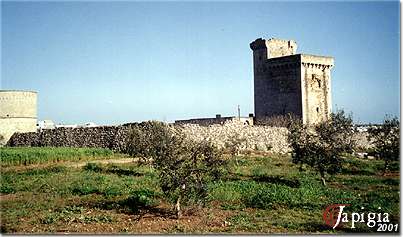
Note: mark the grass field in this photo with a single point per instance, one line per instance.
(262, 194)
(39, 155)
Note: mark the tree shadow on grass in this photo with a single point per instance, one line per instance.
(135, 206)
(112, 170)
(279, 180)
(356, 171)
(120, 171)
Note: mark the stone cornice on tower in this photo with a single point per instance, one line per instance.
(306, 60)
(315, 61)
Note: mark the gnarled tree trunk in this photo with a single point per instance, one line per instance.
(322, 177)
(178, 208)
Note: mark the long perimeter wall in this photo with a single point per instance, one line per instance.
(256, 138)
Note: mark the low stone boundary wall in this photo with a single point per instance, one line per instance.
(256, 138)
(112, 137)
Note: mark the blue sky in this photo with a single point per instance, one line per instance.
(116, 62)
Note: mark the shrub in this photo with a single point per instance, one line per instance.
(233, 145)
(321, 146)
(141, 199)
(386, 138)
(184, 167)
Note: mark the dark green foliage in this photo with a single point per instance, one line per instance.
(141, 199)
(321, 146)
(184, 167)
(5, 188)
(386, 138)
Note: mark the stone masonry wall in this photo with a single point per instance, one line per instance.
(204, 121)
(261, 138)
(257, 138)
(112, 137)
(8, 126)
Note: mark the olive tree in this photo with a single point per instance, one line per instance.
(385, 139)
(321, 145)
(184, 167)
(233, 145)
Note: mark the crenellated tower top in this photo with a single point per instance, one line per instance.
(273, 48)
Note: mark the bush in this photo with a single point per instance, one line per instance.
(184, 167)
(321, 146)
(386, 138)
(141, 199)
(233, 145)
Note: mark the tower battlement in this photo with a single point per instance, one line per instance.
(273, 48)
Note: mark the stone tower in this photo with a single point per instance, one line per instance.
(18, 113)
(285, 82)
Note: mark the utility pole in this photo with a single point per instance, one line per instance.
(239, 112)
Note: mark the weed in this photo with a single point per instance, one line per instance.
(73, 214)
(243, 221)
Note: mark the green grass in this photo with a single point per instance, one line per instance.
(63, 181)
(10, 156)
(259, 195)
(273, 184)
